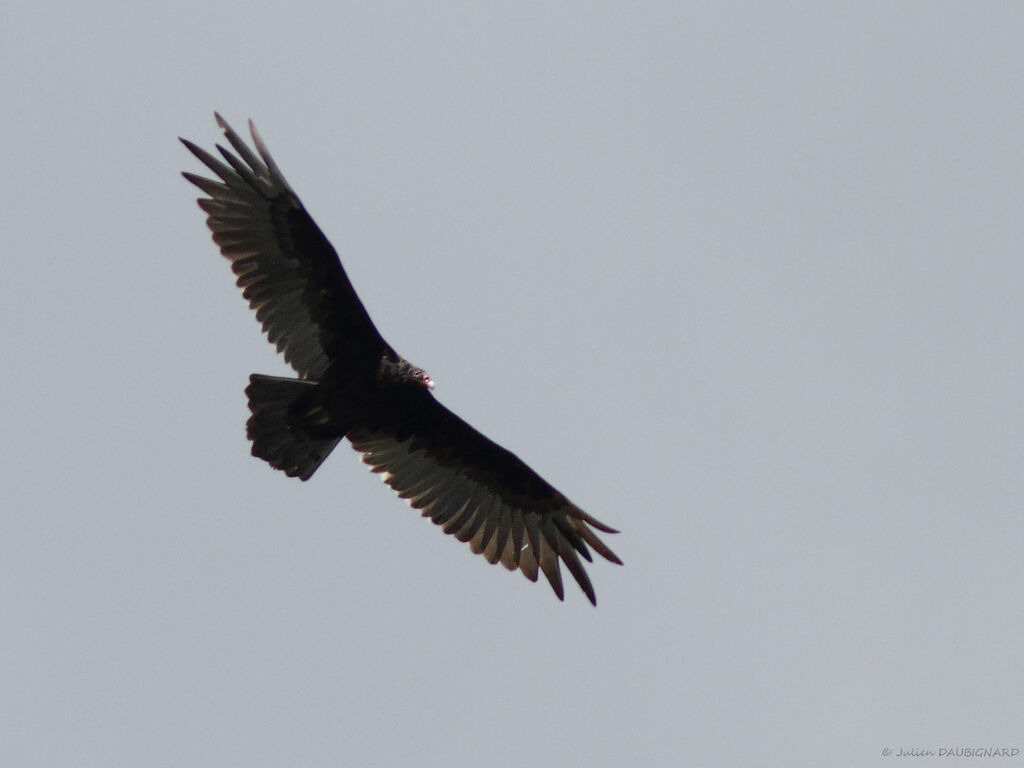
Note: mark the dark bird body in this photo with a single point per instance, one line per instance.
(352, 384)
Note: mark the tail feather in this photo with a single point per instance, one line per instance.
(276, 436)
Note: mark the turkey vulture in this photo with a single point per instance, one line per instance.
(352, 384)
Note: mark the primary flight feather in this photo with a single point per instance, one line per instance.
(352, 384)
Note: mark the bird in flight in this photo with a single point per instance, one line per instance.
(352, 384)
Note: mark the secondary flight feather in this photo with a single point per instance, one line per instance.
(352, 384)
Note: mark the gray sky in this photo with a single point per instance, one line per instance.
(741, 280)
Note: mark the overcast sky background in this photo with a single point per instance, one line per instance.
(742, 280)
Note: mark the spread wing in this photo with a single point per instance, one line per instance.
(480, 492)
(286, 268)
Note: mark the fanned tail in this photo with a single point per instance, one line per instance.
(276, 434)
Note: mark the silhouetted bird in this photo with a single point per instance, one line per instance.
(353, 384)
